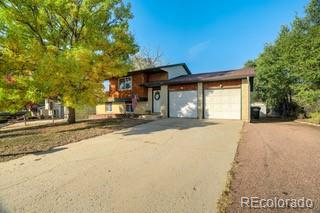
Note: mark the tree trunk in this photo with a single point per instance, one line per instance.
(52, 116)
(71, 115)
(25, 120)
(284, 109)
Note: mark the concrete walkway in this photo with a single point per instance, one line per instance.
(171, 165)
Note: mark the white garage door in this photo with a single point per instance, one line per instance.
(222, 103)
(183, 104)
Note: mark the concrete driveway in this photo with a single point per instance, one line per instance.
(170, 165)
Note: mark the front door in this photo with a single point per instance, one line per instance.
(156, 101)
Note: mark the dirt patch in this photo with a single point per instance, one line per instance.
(277, 160)
(15, 143)
(225, 199)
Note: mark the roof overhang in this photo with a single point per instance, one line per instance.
(206, 77)
(161, 68)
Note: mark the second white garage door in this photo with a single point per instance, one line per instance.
(222, 103)
(183, 104)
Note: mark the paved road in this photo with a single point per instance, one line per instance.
(278, 160)
(171, 165)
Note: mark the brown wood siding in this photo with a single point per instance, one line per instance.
(137, 88)
(222, 84)
(114, 92)
(159, 76)
(183, 87)
(137, 80)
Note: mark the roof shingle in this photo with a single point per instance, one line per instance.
(207, 77)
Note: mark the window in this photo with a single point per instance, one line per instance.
(125, 83)
(108, 107)
(129, 107)
(106, 85)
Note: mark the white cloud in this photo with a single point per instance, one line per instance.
(198, 48)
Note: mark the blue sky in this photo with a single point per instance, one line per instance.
(210, 35)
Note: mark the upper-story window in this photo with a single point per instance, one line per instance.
(125, 83)
(106, 85)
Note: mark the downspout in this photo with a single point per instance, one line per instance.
(249, 99)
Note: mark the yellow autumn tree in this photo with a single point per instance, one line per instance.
(66, 49)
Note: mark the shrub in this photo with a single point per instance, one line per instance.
(315, 117)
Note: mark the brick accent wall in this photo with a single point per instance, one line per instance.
(183, 87)
(222, 84)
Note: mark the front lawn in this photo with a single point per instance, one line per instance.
(17, 142)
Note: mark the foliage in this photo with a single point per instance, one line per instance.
(288, 70)
(250, 64)
(315, 117)
(62, 49)
(17, 87)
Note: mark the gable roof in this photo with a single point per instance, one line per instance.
(160, 68)
(207, 77)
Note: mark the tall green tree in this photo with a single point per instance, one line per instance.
(67, 47)
(288, 70)
(305, 48)
(250, 64)
(274, 74)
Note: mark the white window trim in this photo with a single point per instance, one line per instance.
(124, 78)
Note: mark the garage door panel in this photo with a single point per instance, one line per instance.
(183, 104)
(223, 103)
(222, 115)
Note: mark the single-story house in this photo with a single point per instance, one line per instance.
(173, 91)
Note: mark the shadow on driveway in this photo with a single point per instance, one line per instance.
(165, 124)
(3, 209)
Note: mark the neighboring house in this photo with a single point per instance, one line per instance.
(60, 111)
(54, 108)
(172, 91)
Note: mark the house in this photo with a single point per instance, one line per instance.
(59, 111)
(172, 91)
(48, 107)
(54, 108)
